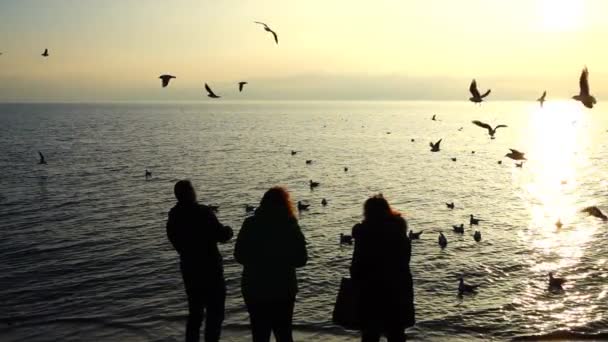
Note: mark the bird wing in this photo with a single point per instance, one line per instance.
(486, 93)
(209, 90)
(584, 82)
(438, 142)
(46, 51)
(515, 151)
(276, 38)
(499, 126)
(482, 124)
(542, 98)
(473, 89)
(261, 23)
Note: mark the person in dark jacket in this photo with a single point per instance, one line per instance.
(194, 232)
(270, 246)
(381, 272)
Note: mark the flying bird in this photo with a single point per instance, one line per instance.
(42, 160)
(491, 131)
(476, 96)
(542, 98)
(435, 146)
(466, 288)
(515, 155)
(165, 79)
(276, 38)
(210, 92)
(45, 53)
(241, 85)
(584, 96)
(595, 212)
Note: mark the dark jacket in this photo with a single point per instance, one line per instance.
(194, 232)
(270, 250)
(380, 269)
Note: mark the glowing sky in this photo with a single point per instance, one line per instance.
(382, 49)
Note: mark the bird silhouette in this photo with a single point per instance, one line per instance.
(435, 146)
(595, 212)
(442, 240)
(473, 220)
(324, 202)
(45, 53)
(491, 131)
(542, 98)
(464, 288)
(584, 95)
(241, 85)
(302, 206)
(459, 229)
(450, 205)
(293, 153)
(165, 79)
(434, 118)
(559, 224)
(308, 161)
(148, 174)
(210, 92)
(276, 38)
(42, 160)
(515, 155)
(453, 159)
(313, 184)
(555, 283)
(415, 236)
(476, 96)
(346, 239)
(519, 165)
(345, 169)
(477, 236)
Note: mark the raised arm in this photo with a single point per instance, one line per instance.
(220, 232)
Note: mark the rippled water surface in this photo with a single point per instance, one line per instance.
(84, 256)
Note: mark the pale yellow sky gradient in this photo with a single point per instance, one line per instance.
(115, 49)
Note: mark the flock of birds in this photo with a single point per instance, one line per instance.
(584, 96)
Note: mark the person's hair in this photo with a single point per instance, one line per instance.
(184, 191)
(377, 208)
(277, 203)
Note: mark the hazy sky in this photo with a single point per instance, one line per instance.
(328, 49)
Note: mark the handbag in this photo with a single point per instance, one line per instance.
(346, 310)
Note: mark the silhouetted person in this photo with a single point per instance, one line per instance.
(270, 246)
(194, 232)
(380, 269)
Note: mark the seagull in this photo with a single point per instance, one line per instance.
(214, 208)
(519, 165)
(346, 239)
(559, 224)
(302, 206)
(45, 53)
(345, 169)
(324, 202)
(42, 160)
(453, 159)
(555, 283)
(415, 236)
(165, 79)
(241, 85)
(450, 205)
(584, 96)
(477, 98)
(459, 229)
(491, 131)
(515, 155)
(148, 174)
(308, 161)
(293, 153)
(477, 236)
(313, 184)
(435, 146)
(466, 288)
(210, 92)
(249, 208)
(596, 212)
(443, 241)
(473, 220)
(276, 38)
(542, 98)
(434, 118)
(499, 162)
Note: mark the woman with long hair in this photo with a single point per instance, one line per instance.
(381, 272)
(270, 246)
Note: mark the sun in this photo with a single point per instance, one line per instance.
(561, 15)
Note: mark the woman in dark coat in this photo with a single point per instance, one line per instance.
(270, 246)
(380, 270)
